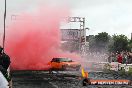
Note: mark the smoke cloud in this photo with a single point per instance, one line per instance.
(32, 40)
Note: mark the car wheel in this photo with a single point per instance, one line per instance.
(78, 68)
(63, 67)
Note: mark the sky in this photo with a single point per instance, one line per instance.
(111, 16)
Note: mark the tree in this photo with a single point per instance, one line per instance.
(120, 43)
(92, 44)
(102, 37)
(130, 45)
(102, 40)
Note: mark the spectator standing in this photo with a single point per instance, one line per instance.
(119, 58)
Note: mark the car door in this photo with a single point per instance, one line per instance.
(55, 64)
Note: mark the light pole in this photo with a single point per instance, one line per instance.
(4, 27)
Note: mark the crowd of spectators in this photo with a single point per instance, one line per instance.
(121, 57)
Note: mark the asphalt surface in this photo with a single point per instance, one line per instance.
(67, 79)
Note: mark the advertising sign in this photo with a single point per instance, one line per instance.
(70, 34)
(114, 66)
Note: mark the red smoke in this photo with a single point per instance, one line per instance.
(33, 40)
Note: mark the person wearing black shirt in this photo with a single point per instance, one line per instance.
(4, 63)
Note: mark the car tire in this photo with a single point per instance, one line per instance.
(63, 68)
(78, 68)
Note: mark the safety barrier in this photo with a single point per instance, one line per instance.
(106, 65)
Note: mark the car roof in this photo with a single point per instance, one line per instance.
(60, 58)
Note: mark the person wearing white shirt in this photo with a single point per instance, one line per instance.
(3, 81)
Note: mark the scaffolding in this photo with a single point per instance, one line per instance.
(80, 36)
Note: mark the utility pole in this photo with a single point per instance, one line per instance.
(4, 27)
(131, 36)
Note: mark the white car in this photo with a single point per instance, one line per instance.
(3, 82)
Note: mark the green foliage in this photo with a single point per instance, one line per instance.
(130, 71)
(122, 72)
(104, 42)
(120, 43)
(92, 43)
(102, 37)
(101, 41)
(130, 45)
(125, 73)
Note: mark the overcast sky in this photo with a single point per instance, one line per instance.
(112, 16)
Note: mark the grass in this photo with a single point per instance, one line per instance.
(121, 72)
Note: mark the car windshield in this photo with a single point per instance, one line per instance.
(65, 60)
(61, 60)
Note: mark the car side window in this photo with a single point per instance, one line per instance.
(55, 60)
